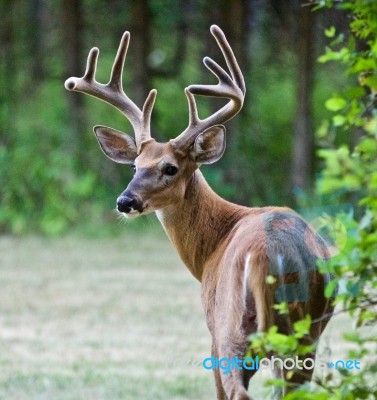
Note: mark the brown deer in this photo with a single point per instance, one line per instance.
(229, 248)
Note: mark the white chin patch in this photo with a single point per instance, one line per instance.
(131, 214)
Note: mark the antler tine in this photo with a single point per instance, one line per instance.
(229, 56)
(193, 110)
(147, 109)
(225, 88)
(112, 92)
(91, 64)
(117, 69)
(78, 84)
(231, 86)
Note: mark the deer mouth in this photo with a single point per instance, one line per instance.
(131, 212)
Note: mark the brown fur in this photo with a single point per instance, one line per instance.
(213, 238)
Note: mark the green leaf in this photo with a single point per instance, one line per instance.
(270, 280)
(304, 349)
(363, 64)
(353, 288)
(330, 32)
(367, 145)
(371, 126)
(339, 120)
(330, 55)
(282, 307)
(336, 103)
(330, 287)
(370, 81)
(302, 327)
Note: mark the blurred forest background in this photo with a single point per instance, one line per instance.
(53, 175)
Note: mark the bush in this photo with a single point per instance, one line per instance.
(349, 174)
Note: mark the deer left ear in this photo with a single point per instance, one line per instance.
(209, 146)
(116, 145)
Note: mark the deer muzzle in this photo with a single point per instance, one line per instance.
(128, 203)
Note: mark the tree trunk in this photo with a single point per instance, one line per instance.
(303, 144)
(72, 27)
(7, 72)
(140, 28)
(37, 49)
(233, 18)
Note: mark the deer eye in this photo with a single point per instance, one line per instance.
(170, 170)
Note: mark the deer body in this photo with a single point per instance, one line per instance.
(229, 248)
(224, 247)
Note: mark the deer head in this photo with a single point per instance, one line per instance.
(163, 170)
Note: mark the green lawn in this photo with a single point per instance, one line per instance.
(102, 318)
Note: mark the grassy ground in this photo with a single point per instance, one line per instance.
(103, 318)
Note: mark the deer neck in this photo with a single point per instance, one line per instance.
(200, 223)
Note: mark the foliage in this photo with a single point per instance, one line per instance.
(40, 181)
(52, 175)
(349, 174)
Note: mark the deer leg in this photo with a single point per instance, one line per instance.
(301, 375)
(294, 380)
(220, 393)
(234, 381)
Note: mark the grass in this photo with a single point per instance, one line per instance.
(103, 318)
(98, 319)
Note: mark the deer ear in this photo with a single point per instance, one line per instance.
(116, 145)
(209, 146)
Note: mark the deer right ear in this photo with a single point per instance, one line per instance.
(209, 145)
(116, 145)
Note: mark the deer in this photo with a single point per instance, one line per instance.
(230, 249)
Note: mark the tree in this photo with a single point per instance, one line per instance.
(140, 25)
(72, 34)
(238, 34)
(7, 68)
(303, 140)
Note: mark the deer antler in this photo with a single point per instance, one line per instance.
(113, 93)
(230, 86)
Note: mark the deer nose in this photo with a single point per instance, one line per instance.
(126, 204)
